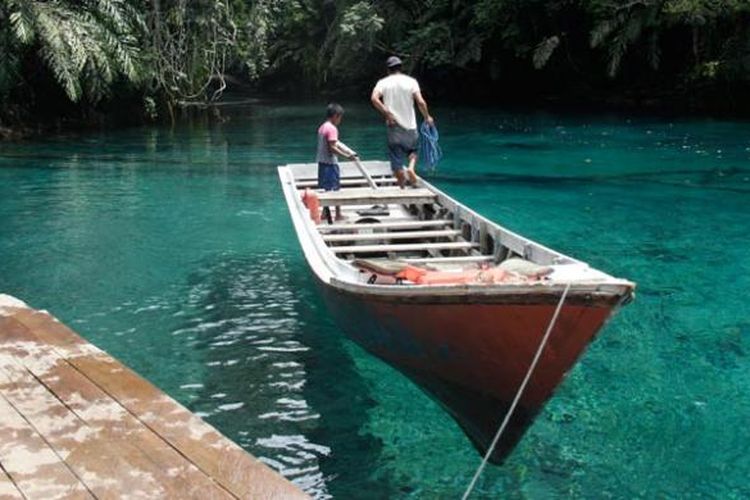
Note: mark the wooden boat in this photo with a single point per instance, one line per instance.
(468, 342)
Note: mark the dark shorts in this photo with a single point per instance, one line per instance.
(401, 144)
(329, 177)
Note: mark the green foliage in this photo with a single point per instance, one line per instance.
(177, 52)
(623, 25)
(86, 45)
(544, 51)
(9, 63)
(442, 35)
(171, 51)
(359, 26)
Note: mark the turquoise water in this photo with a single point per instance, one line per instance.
(172, 250)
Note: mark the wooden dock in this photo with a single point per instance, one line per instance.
(77, 423)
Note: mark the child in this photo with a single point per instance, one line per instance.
(329, 176)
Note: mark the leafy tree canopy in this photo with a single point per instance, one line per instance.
(177, 52)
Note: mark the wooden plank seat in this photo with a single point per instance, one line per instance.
(458, 259)
(360, 181)
(405, 247)
(369, 196)
(400, 235)
(348, 170)
(404, 224)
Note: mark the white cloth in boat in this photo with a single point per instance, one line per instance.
(525, 268)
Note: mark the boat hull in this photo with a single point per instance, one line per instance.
(471, 355)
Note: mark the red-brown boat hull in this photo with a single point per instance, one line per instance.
(471, 356)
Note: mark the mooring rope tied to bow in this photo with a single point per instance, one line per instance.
(517, 398)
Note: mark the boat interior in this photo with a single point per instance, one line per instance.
(385, 230)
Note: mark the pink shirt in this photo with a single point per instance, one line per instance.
(327, 133)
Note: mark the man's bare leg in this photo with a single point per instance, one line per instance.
(338, 213)
(411, 169)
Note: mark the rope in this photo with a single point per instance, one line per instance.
(521, 388)
(429, 149)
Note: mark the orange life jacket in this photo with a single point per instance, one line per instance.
(425, 277)
(312, 202)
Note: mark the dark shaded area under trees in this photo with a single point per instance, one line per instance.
(68, 62)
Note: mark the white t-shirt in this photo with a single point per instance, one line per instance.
(398, 96)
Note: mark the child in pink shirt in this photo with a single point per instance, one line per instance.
(329, 146)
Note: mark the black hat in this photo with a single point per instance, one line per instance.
(393, 61)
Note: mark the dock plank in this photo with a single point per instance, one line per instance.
(96, 436)
(114, 431)
(224, 461)
(8, 489)
(25, 456)
(106, 420)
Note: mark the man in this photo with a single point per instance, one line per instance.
(394, 97)
(329, 146)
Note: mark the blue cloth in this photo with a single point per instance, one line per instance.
(429, 149)
(402, 143)
(329, 177)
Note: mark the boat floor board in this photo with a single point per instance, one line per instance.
(405, 247)
(367, 196)
(400, 235)
(403, 224)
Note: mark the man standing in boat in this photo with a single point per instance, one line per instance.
(394, 97)
(329, 176)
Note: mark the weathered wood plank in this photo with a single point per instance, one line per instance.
(405, 247)
(115, 432)
(458, 259)
(70, 438)
(383, 192)
(8, 490)
(367, 196)
(309, 171)
(408, 224)
(225, 462)
(401, 235)
(359, 181)
(99, 440)
(33, 468)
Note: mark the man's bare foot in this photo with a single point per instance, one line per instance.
(400, 178)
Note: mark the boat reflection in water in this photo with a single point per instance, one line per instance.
(454, 301)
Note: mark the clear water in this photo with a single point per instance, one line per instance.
(173, 251)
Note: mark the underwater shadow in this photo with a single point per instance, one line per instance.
(277, 379)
